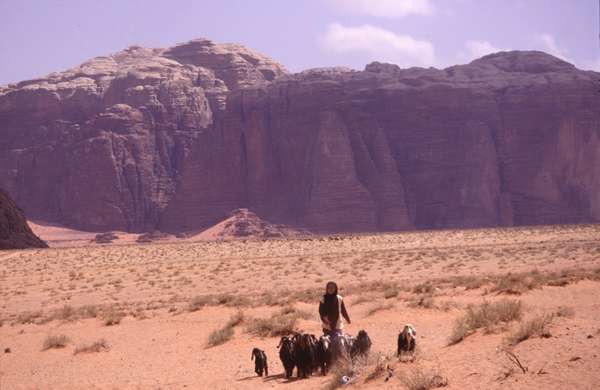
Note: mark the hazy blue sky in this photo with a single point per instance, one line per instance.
(39, 37)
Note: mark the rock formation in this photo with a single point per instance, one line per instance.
(174, 139)
(14, 231)
(243, 223)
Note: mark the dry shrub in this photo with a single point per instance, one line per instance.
(271, 298)
(460, 330)
(373, 366)
(307, 296)
(112, 317)
(55, 341)
(517, 283)
(469, 282)
(87, 311)
(198, 302)
(565, 311)
(281, 323)
(419, 378)
(423, 288)
(231, 300)
(391, 292)
(341, 368)
(220, 336)
(533, 327)
(373, 286)
(486, 315)
(425, 301)
(29, 317)
(65, 313)
(292, 311)
(96, 346)
(236, 319)
(380, 306)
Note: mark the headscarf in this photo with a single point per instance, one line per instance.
(331, 305)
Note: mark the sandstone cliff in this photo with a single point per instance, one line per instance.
(174, 139)
(14, 231)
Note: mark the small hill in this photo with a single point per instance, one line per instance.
(15, 233)
(244, 223)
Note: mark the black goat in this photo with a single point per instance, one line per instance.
(361, 345)
(287, 355)
(305, 351)
(260, 362)
(324, 355)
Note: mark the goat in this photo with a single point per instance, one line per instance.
(407, 339)
(304, 348)
(260, 362)
(287, 355)
(361, 345)
(324, 355)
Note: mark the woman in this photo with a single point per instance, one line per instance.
(331, 310)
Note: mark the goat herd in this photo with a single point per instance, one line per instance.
(308, 354)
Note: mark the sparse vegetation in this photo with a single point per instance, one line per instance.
(536, 326)
(419, 378)
(517, 283)
(96, 346)
(112, 317)
(486, 315)
(424, 301)
(236, 319)
(342, 367)
(55, 342)
(280, 323)
(565, 311)
(220, 336)
(198, 302)
(391, 292)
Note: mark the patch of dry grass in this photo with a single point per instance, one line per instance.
(112, 317)
(281, 323)
(96, 346)
(55, 342)
(342, 368)
(198, 302)
(536, 326)
(220, 336)
(419, 378)
(486, 315)
(424, 301)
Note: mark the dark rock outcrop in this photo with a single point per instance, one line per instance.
(14, 231)
(175, 139)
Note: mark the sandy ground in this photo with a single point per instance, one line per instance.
(162, 344)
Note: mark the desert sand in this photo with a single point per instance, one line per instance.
(152, 308)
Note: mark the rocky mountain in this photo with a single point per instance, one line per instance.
(14, 231)
(175, 139)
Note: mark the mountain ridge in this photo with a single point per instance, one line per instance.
(176, 138)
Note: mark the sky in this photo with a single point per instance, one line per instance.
(44, 36)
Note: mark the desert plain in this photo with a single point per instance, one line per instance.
(514, 308)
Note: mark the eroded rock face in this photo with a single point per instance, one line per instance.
(102, 146)
(175, 139)
(14, 231)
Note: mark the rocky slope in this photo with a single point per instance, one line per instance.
(14, 231)
(174, 139)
